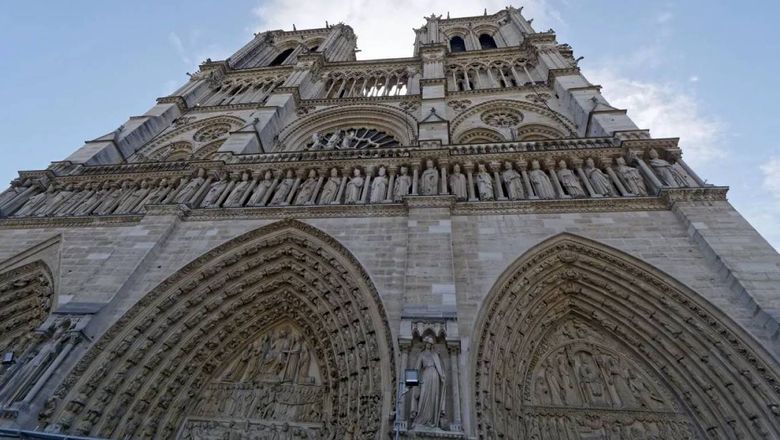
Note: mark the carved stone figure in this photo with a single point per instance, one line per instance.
(632, 179)
(53, 203)
(316, 142)
(540, 182)
(131, 202)
(569, 181)
(215, 191)
(17, 187)
(75, 200)
(513, 182)
(158, 194)
(333, 141)
(458, 184)
(379, 186)
(485, 184)
(36, 202)
(262, 189)
(402, 185)
(347, 142)
(283, 190)
(428, 404)
(669, 174)
(429, 180)
(92, 199)
(331, 188)
(354, 187)
(191, 187)
(234, 199)
(598, 180)
(306, 191)
(110, 200)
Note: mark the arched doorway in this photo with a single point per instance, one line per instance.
(579, 341)
(277, 332)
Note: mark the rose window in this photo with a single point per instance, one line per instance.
(503, 118)
(211, 132)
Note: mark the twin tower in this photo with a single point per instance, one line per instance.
(469, 243)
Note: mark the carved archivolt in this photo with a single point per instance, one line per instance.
(202, 131)
(26, 295)
(554, 119)
(577, 340)
(480, 136)
(228, 323)
(391, 120)
(537, 132)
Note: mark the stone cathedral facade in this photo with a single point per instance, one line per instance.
(268, 251)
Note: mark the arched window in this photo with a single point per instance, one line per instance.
(457, 45)
(314, 48)
(487, 42)
(281, 58)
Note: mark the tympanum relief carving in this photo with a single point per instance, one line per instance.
(271, 389)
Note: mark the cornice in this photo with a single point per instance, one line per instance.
(69, 222)
(173, 99)
(500, 90)
(359, 100)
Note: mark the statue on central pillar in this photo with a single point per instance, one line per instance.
(428, 404)
(429, 181)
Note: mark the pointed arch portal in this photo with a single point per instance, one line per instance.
(580, 341)
(277, 332)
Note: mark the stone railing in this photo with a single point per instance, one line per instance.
(308, 178)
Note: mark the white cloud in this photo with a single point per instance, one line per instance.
(192, 52)
(771, 171)
(384, 28)
(666, 110)
(177, 43)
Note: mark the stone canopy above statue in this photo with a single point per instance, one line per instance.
(352, 139)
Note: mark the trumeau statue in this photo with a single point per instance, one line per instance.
(379, 186)
(283, 190)
(306, 191)
(262, 190)
(215, 191)
(513, 182)
(540, 182)
(429, 180)
(236, 196)
(190, 188)
(402, 185)
(632, 179)
(354, 187)
(458, 184)
(598, 180)
(428, 402)
(485, 184)
(569, 180)
(670, 176)
(331, 188)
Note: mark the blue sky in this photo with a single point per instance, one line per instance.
(701, 70)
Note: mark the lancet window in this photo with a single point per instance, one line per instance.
(243, 91)
(372, 84)
(497, 74)
(281, 58)
(487, 42)
(457, 44)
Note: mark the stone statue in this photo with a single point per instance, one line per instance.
(157, 196)
(540, 182)
(632, 178)
(354, 187)
(317, 144)
(458, 184)
(598, 180)
(17, 187)
(485, 184)
(262, 189)
(670, 176)
(93, 199)
(283, 190)
(36, 202)
(402, 184)
(429, 180)
(236, 196)
(513, 182)
(569, 181)
(379, 186)
(306, 192)
(348, 140)
(190, 188)
(53, 203)
(333, 140)
(215, 191)
(331, 188)
(130, 203)
(75, 201)
(428, 404)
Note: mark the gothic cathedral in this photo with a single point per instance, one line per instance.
(469, 243)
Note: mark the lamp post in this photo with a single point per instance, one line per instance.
(411, 380)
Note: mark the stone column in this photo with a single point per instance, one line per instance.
(415, 176)
(226, 192)
(250, 190)
(522, 166)
(345, 175)
(585, 181)
(655, 183)
(298, 176)
(444, 187)
(550, 165)
(73, 339)
(16, 203)
(606, 162)
(271, 189)
(456, 423)
(322, 172)
(391, 183)
(367, 185)
(401, 416)
(495, 167)
(469, 167)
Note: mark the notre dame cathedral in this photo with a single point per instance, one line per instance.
(468, 243)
